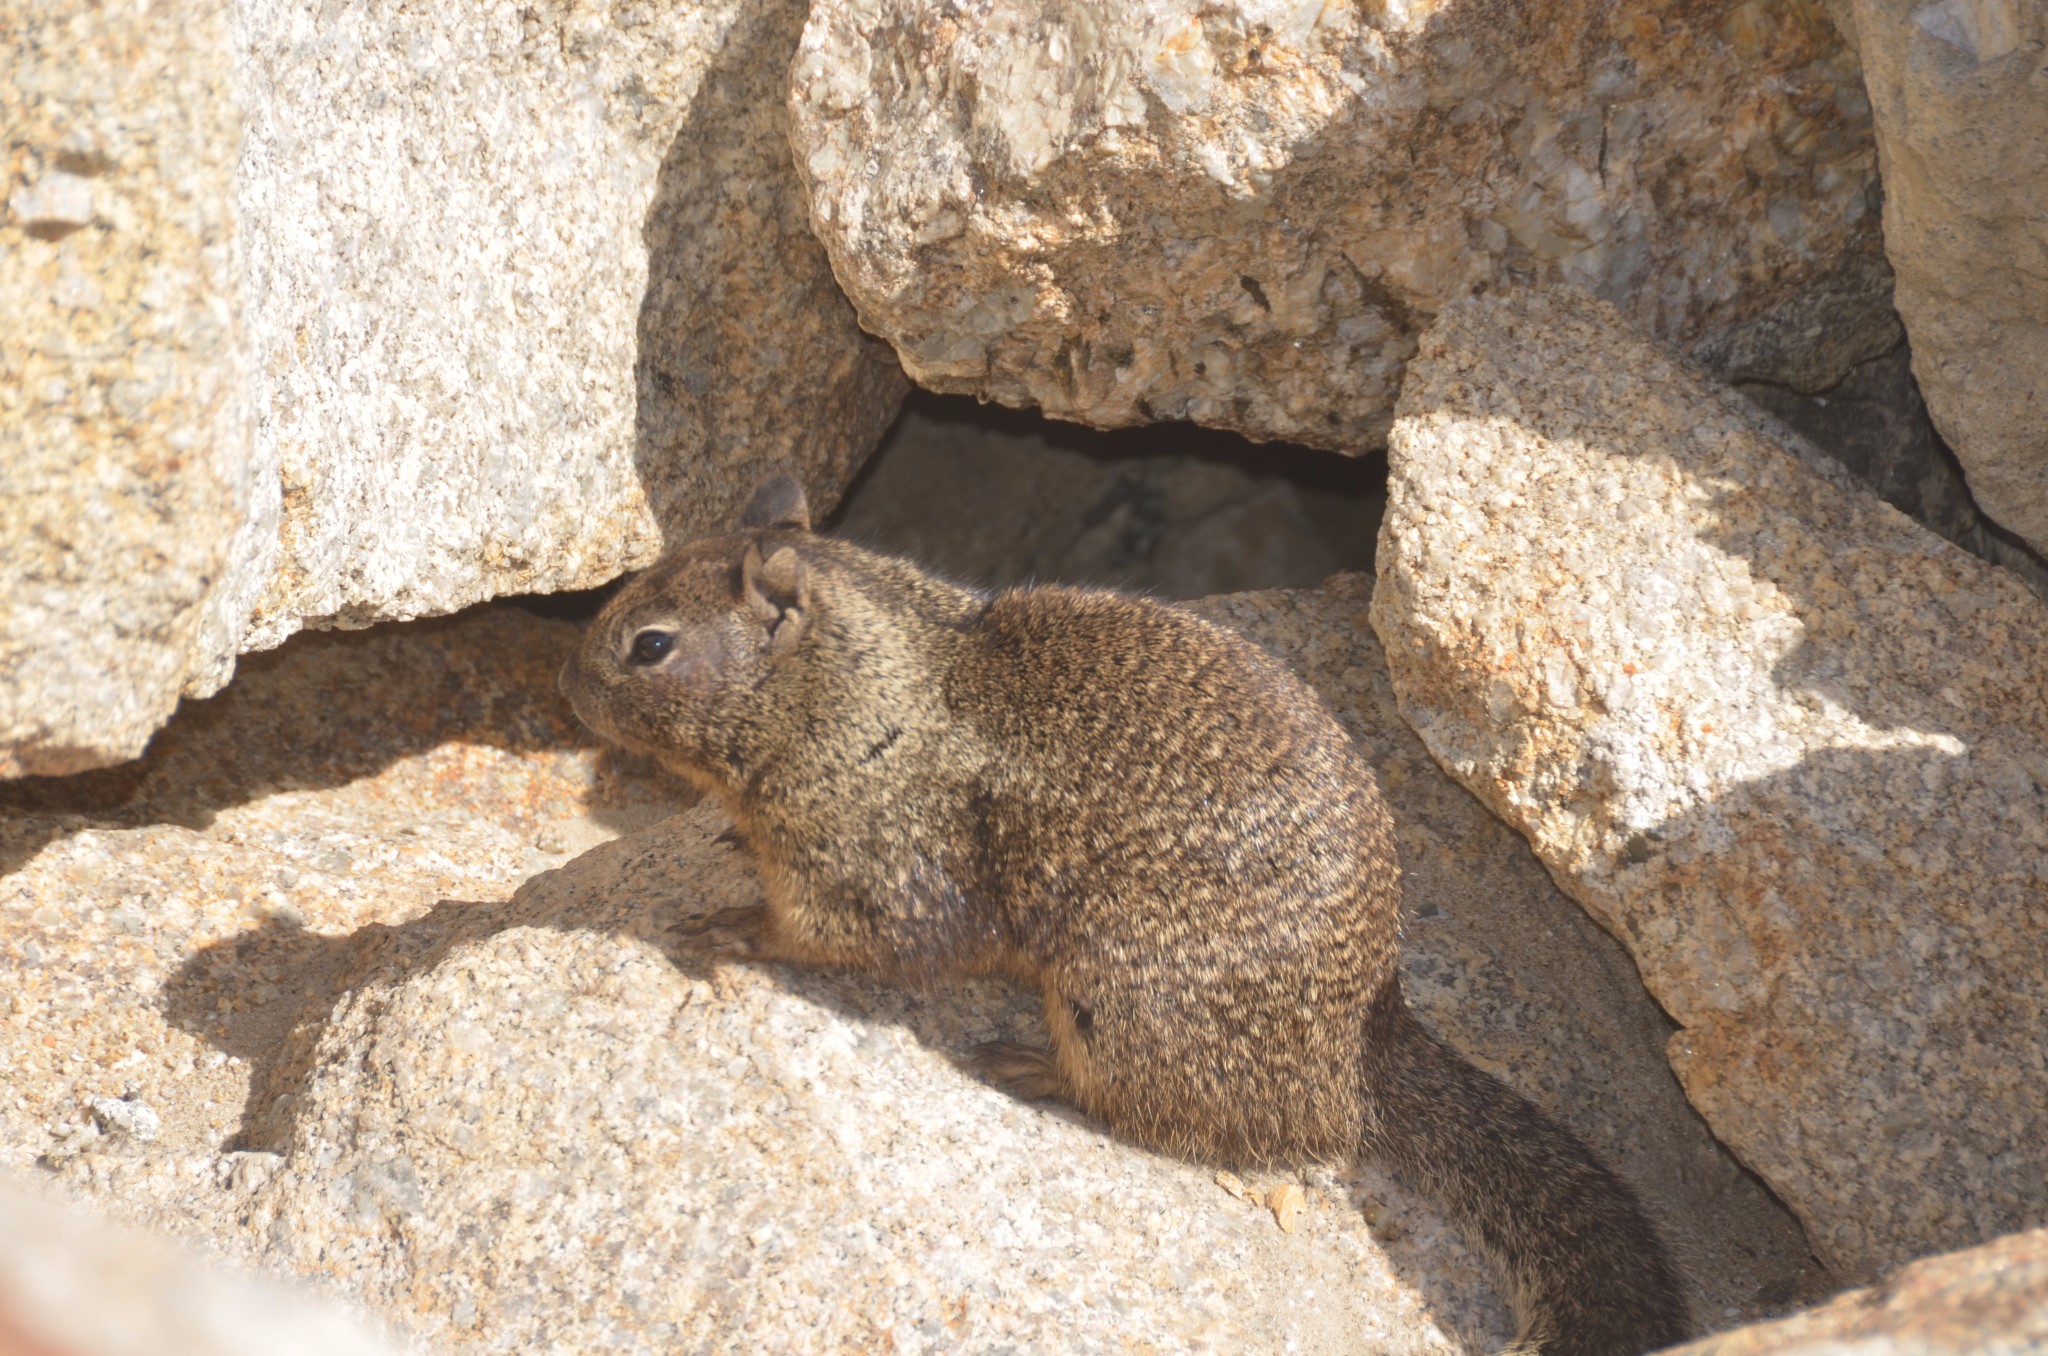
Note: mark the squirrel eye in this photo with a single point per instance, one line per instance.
(651, 647)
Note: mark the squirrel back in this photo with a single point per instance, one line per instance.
(1147, 818)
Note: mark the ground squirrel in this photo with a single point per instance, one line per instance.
(1145, 817)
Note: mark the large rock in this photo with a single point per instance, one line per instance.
(166, 925)
(320, 318)
(1960, 94)
(239, 1001)
(550, 1128)
(1787, 745)
(1242, 214)
(129, 492)
(1987, 1301)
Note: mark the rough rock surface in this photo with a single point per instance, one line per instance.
(1986, 1301)
(191, 951)
(1787, 745)
(126, 428)
(166, 924)
(73, 1285)
(1241, 214)
(1959, 90)
(1875, 423)
(672, 1157)
(371, 311)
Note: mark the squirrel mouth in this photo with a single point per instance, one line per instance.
(575, 689)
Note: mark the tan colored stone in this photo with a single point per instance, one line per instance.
(750, 356)
(1986, 1301)
(549, 267)
(166, 925)
(1788, 746)
(1242, 214)
(678, 1157)
(380, 310)
(671, 1154)
(126, 425)
(1960, 94)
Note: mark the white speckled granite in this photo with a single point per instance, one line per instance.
(334, 314)
(1243, 213)
(526, 1121)
(1787, 745)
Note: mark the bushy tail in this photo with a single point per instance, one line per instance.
(1587, 1273)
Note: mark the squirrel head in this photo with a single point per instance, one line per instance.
(668, 665)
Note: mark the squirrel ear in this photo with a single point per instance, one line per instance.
(778, 502)
(778, 591)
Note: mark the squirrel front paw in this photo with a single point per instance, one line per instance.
(1024, 1071)
(737, 932)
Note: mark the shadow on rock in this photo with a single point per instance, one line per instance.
(408, 1037)
(1791, 747)
(745, 340)
(1867, 873)
(322, 711)
(641, 887)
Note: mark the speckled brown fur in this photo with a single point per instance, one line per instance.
(1145, 817)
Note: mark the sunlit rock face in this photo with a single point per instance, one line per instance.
(326, 316)
(1786, 744)
(1961, 111)
(1242, 214)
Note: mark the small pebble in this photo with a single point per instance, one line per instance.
(135, 1119)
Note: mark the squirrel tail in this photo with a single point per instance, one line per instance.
(1587, 1273)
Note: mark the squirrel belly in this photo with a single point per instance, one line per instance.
(1147, 818)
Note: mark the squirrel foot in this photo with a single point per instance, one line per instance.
(738, 932)
(1024, 1071)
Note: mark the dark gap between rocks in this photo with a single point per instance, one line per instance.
(1875, 423)
(998, 496)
